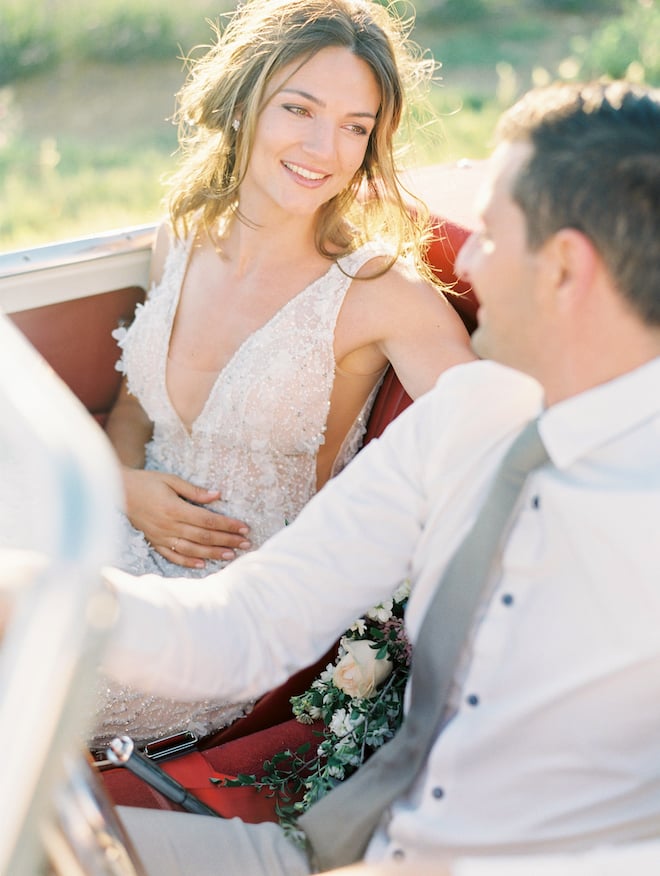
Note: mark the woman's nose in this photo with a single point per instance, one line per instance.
(321, 139)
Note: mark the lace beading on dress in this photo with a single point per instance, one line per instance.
(256, 440)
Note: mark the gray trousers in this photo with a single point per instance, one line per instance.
(179, 844)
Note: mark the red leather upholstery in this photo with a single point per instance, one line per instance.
(391, 400)
(74, 338)
(448, 238)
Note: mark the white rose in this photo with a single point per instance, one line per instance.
(359, 672)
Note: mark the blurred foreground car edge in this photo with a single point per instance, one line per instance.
(57, 615)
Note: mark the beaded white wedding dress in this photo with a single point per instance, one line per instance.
(256, 440)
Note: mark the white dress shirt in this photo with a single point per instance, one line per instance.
(555, 740)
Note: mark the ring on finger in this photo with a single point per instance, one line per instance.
(174, 544)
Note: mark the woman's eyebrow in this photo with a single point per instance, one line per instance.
(322, 103)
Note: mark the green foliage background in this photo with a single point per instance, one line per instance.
(86, 91)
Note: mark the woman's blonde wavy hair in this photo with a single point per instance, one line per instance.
(231, 81)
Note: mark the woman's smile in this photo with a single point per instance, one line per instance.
(308, 175)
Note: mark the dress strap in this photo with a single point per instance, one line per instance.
(351, 263)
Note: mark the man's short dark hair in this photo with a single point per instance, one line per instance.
(595, 167)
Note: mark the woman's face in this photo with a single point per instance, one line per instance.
(311, 136)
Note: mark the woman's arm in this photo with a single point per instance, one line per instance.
(422, 336)
(128, 428)
(400, 319)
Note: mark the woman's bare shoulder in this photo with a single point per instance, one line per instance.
(399, 292)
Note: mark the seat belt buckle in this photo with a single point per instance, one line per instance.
(171, 746)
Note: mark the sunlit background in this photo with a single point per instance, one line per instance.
(86, 91)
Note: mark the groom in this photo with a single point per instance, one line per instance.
(547, 737)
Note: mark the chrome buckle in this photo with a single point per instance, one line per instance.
(169, 746)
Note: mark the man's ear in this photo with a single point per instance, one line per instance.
(573, 263)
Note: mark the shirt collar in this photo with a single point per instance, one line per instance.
(572, 428)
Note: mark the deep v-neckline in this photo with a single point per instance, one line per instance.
(249, 340)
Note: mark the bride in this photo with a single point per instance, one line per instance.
(278, 300)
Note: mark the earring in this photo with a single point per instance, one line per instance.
(236, 124)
